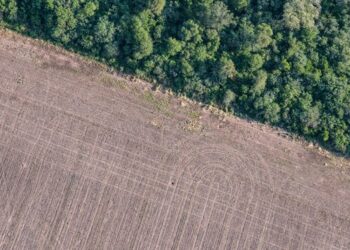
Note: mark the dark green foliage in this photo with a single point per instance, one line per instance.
(8, 10)
(283, 62)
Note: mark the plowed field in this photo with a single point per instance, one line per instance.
(90, 160)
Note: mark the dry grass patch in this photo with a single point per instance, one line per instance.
(193, 123)
(110, 81)
(160, 104)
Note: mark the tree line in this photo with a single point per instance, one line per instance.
(283, 62)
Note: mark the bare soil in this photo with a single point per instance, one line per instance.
(94, 160)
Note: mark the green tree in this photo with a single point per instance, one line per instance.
(104, 30)
(157, 6)
(65, 24)
(301, 13)
(141, 43)
(238, 5)
(229, 97)
(225, 68)
(8, 10)
(216, 16)
(259, 82)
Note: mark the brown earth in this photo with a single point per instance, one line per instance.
(91, 160)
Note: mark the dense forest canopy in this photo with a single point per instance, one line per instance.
(284, 62)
